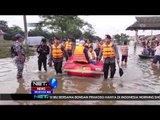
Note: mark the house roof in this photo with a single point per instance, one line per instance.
(145, 23)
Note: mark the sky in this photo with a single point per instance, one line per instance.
(102, 24)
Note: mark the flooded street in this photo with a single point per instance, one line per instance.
(139, 77)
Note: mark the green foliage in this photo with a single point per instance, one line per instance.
(5, 48)
(3, 25)
(40, 32)
(54, 25)
(4, 52)
(120, 38)
(65, 26)
(12, 31)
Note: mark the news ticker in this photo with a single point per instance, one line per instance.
(79, 96)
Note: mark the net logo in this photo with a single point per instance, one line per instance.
(41, 97)
(43, 86)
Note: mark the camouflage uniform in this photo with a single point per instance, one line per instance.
(19, 61)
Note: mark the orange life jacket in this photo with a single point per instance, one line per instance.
(56, 51)
(108, 51)
(79, 55)
(68, 45)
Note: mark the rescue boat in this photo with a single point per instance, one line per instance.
(83, 69)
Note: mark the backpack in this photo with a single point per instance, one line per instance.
(13, 51)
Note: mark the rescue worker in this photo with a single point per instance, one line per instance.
(81, 53)
(109, 52)
(43, 51)
(20, 55)
(92, 55)
(69, 47)
(58, 52)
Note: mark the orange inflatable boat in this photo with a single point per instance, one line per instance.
(83, 69)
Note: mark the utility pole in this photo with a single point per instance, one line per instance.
(26, 32)
(136, 39)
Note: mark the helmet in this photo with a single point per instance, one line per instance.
(17, 36)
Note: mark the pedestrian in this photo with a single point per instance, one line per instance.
(124, 51)
(43, 51)
(157, 55)
(19, 55)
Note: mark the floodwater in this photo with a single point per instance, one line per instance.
(139, 77)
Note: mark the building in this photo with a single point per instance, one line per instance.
(145, 23)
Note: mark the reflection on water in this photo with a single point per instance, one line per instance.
(21, 87)
(139, 77)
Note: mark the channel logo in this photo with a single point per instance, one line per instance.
(43, 86)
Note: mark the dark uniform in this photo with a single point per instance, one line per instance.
(109, 53)
(97, 50)
(43, 51)
(19, 56)
(51, 42)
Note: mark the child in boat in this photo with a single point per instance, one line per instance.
(92, 55)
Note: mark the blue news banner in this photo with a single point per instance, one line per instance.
(79, 96)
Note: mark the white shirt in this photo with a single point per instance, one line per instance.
(90, 55)
(157, 50)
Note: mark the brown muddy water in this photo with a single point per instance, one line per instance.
(139, 77)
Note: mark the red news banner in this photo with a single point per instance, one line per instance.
(42, 88)
(79, 96)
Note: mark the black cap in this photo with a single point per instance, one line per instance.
(44, 40)
(17, 36)
(108, 36)
(57, 38)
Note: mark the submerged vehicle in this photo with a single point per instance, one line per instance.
(34, 40)
(83, 69)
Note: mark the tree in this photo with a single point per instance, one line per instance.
(3, 25)
(40, 32)
(121, 38)
(65, 25)
(12, 31)
(97, 38)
